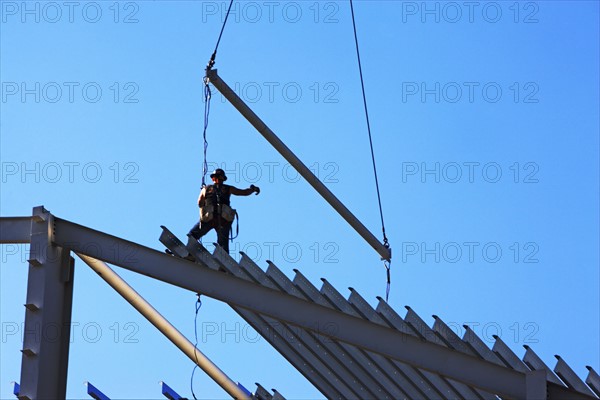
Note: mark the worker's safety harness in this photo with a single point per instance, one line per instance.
(217, 205)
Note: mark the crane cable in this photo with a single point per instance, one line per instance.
(211, 62)
(207, 97)
(386, 263)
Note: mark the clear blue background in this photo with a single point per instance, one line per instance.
(540, 132)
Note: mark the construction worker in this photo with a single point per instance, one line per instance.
(215, 210)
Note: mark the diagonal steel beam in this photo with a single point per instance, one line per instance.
(164, 326)
(235, 291)
(295, 162)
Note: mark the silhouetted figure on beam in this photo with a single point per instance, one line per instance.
(215, 208)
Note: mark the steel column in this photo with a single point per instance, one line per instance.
(48, 314)
(302, 169)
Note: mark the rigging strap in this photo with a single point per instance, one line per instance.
(207, 94)
(387, 289)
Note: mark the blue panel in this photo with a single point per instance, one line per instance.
(169, 393)
(16, 389)
(95, 393)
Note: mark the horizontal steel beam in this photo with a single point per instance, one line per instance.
(15, 230)
(237, 292)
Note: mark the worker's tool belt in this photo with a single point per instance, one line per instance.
(207, 213)
(227, 213)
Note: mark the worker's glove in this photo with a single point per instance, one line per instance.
(255, 188)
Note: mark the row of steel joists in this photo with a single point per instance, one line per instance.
(305, 351)
(500, 354)
(283, 335)
(246, 294)
(340, 370)
(337, 369)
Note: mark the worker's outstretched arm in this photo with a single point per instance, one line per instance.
(245, 192)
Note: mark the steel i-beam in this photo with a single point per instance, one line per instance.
(295, 162)
(161, 323)
(47, 314)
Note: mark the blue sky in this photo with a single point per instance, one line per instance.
(485, 127)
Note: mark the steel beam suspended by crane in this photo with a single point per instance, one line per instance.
(213, 77)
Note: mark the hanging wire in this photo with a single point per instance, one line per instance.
(208, 95)
(362, 84)
(387, 263)
(197, 305)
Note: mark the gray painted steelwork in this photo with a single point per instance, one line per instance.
(567, 375)
(356, 360)
(593, 380)
(15, 230)
(164, 326)
(393, 346)
(295, 162)
(306, 291)
(452, 340)
(537, 385)
(344, 384)
(395, 321)
(422, 329)
(375, 338)
(354, 376)
(534, 362)
(479, 347)
(381, 366)
(312, 365)
(409, 379)
(507, 356)
(47, 327)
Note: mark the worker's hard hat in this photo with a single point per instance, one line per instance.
(219, 172)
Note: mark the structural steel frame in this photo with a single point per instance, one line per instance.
(50, 293)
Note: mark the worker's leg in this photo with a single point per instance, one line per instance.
(200, 229)
(223, 235)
